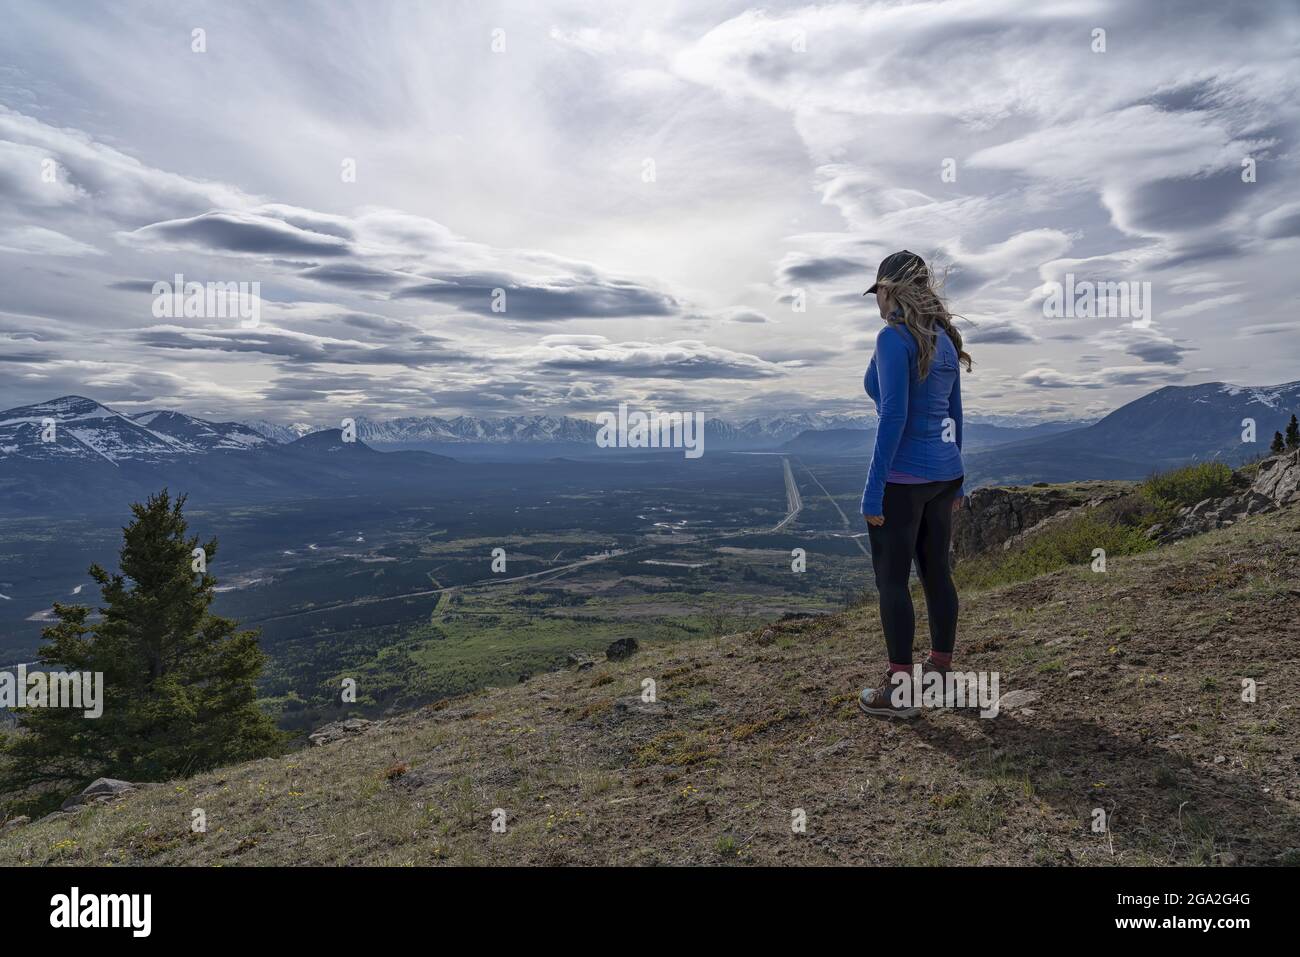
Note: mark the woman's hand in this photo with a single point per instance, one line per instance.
(956, 503)
(876, 520)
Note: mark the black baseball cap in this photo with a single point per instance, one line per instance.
(901, 266)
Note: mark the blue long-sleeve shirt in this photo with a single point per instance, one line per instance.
(912, 436)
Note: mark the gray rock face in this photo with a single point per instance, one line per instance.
(1278, 479)
(97, 792)
(337, 730)
(994, 516)
(1276, 484)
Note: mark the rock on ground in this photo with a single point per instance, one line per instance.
(621, 649)
(97, 792)
(338, 730)
(1276, 484)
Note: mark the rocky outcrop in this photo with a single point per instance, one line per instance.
(338, 730)
(420, 778)
(1276, 484)
(621, 649)
(1278, 479)
(99, 791)
(994, 516)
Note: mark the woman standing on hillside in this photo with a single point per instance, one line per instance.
(915, 481)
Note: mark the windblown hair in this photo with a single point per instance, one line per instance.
(925, 312)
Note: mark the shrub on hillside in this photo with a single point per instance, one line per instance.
(1068, 542)
(1189, 484)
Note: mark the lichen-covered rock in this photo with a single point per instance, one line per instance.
(338, 730)
(1278, 479)
(97, 792)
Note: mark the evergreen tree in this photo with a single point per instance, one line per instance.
(179, 682)
(1277, 447)
(1293, 433)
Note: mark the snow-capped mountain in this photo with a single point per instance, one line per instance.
(1169, 427)
(282, 434)
(74, 428)
(1278, 398)
(433, 430)
(73, 453)
(781, 428)
(465, 428)
(199, 435)
(1204, 421)
(1173, 423)
(75, 456)
(86, 429)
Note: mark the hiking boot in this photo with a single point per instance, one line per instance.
(940, 672)
(928, 666)
(879, 700)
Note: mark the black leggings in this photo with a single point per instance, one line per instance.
(918, 524)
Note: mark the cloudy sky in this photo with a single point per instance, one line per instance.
(655, 186)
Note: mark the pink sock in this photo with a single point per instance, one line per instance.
(895, 667)
(941, 658)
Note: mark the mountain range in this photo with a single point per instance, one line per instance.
(1169, 427)
(76, 428)
(764, 432)
(72, 451)
(432, 430)
(74, 455)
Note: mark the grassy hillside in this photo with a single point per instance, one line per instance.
(1139, 672)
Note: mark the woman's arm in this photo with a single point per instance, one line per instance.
(893, 371)
(954, 411)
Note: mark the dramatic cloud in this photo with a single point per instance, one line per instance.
(679, 203)
(231, 232)
(995, 332)
(563, 298)
(294, 345)
(673, 360)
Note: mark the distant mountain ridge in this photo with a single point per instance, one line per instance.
(70, 448)
(764, 432)
(93, 430)
(73, 454)
(432, 429)
(76, 428)
(1171, 426)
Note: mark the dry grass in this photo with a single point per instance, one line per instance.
(1151, 728)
